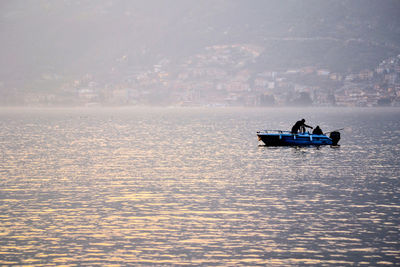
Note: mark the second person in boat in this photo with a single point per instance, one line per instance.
(317, 130)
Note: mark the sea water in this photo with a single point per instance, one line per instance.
(193, 186)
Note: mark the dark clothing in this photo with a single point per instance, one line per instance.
(300, 125)
(317, 130)
(296, 126)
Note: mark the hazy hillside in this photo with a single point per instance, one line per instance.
(73, 37)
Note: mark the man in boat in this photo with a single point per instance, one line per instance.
(317, 130)
(300, 125)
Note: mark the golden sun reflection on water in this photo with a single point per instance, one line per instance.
(149, 188)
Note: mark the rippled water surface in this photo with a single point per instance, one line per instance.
(193, 187)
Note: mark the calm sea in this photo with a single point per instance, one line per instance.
(171, 186)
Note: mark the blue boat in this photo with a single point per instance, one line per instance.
(287, 138)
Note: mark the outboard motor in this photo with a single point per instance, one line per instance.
(335, 136)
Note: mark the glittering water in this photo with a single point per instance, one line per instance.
(193, 186)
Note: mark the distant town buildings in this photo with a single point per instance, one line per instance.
(224, 75)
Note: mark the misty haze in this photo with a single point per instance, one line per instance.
(198, 53)
(199, 133)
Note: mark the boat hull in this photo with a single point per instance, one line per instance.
(288, 139)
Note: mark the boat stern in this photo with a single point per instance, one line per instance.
(335, 136)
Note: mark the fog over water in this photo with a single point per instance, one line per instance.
(120, 52)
